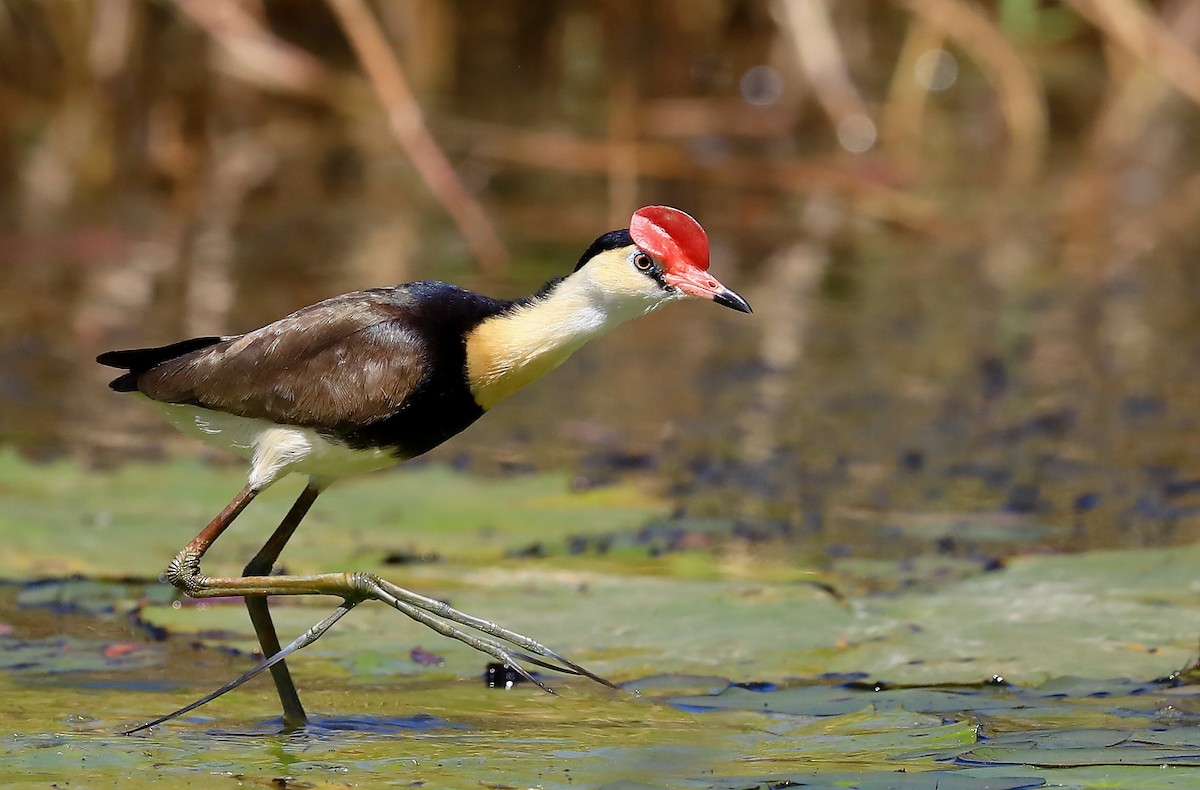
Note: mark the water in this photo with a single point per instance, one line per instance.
(972, 367)
(946, 324)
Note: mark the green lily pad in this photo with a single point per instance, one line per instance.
(60, 519)
(92, 596)
(744, 679)
(55, 655)
(880, 780)
(1070, 758)
(1102, 614)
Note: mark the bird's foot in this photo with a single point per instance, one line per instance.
(435, 614)
(183, 572)
(441, 617)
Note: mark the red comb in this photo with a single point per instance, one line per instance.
(671, 236)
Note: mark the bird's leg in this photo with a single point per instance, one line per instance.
(187, 562)
(392, 595)
(185, 569)
(260, 615)
(353, 588)
(358, 587)
(269, 662)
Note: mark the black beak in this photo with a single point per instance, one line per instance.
(731, 300)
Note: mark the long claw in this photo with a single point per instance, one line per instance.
(409, 603)
(571, 668)
(358, 587)
(482, 644)
(541, 662)
(523, 672)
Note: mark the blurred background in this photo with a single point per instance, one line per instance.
(968, 231)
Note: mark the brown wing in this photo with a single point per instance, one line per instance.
(353, 359)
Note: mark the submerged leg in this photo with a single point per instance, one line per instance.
(260, 615)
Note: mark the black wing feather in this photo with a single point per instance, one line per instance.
(139, 360)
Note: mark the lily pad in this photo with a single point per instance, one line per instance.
(60, 519)
(730, 679)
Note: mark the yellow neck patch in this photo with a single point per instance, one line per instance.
(507, 352)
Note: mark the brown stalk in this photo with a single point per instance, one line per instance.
(1147, 38)
(407, 123)
(569, 154)
(622, 147)
(252, 53)
(1020, 91)
(905, 109)
(807, 27)
(1136, 106)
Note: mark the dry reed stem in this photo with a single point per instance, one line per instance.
(254, 54)
(407, 123)
(623, 160)
(904, 112)
(1022, 100)
(1135, 106)
(1147, 38)
(814, 43)
(111, 36)
(569, 154)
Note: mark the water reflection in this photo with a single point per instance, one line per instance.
(954, 327)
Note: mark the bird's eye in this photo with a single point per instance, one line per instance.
(643, 262)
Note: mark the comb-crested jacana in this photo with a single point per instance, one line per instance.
(368, 379)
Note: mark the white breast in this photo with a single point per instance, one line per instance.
(275, 450)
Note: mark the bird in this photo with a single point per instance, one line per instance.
(366, 380)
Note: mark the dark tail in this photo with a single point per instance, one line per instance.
(139, 360)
